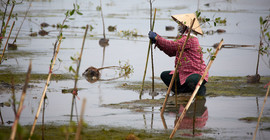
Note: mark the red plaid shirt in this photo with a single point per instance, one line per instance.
(192, 58)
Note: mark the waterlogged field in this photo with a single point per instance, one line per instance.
(113, 109)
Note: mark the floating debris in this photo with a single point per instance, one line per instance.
(169, 28)
(103, 42)
(232, 45)
(112, 28)
(43, 32)
(44, 24)
(252, 79)
(220, 31)
(33, 34)
(12, 46)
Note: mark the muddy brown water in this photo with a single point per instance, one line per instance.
(223, 112)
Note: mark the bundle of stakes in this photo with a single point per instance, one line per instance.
(149, 48)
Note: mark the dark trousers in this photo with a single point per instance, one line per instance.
(188, 87)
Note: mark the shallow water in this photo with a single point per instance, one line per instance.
(242, 28)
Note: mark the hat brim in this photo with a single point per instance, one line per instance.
(186, 20)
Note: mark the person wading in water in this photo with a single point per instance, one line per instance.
(192, 65)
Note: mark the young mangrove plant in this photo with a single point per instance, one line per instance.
(57, 44)
(93, 74)
(264, 48)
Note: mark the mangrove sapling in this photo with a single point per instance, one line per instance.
(13, 46)
(264, 47)
(104, 42)
(3, 31)
(93, 74)
(75, 90)
(2, 56)
(196, 89)
(17, 117)
(46, 86)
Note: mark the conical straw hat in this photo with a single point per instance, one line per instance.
(186, 19)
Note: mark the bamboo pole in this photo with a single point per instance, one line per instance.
(77, 73)
(195, 91)
(149, 47)
(78, 132)
(2, 56)
(17, 117)
(176, 67)
(45, 88)
(265, 98)
(152, 56)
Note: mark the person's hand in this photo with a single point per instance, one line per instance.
(152, 36)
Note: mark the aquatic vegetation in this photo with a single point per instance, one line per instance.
(216, 21)
(216, 86)
(128, 33)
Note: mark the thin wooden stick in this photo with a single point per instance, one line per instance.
(22, 22)
(265, 98)
(77, 73)
(10, 13)
(45, 88)
(78, 132)
(149, 47)
(176, 67)
(2, 56)
(195, 91)
(152, 56)
(17, 117)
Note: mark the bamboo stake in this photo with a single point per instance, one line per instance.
(152, 56)
(78, 132)
(17, 117)
(195, 91)
(2, 56)
(149, 47)
(45, 88)
(176, 67)
(77, 73)
(265, 98)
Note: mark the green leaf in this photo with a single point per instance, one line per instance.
(72, 12)
(261, 20)
(207, 19)
(67, 13)
(264, 21)
(60, 60)
(72, 58)
(79, 13)
(215, 24)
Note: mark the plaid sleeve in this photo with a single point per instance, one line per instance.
(168, 46)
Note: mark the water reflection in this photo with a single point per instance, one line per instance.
(195, 117)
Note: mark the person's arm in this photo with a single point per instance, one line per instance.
(168, 46)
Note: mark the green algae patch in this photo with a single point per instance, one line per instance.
(216, 86)
(19, 78)
(140, 105)
(235, 86)
(255, 119)
(91, 132)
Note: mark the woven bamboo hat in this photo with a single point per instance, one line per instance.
(186, 19)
